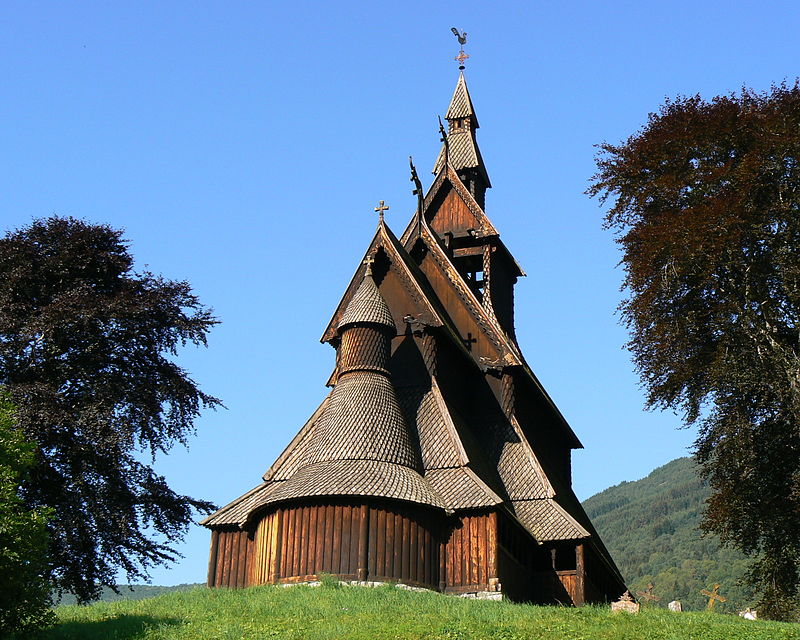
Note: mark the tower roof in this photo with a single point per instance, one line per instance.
(461, 149)
(461, 103)
(367, 306)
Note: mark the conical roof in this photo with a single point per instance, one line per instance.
(367, 306)
(363, 421)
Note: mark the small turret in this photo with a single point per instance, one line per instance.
(460, 148)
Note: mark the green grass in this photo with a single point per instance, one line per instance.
(357, 613)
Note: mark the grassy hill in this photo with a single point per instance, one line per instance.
(357, 613)
(650, 527)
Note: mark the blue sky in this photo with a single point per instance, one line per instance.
(243, 146)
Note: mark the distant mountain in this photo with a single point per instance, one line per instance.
(131, 592)
(650, 526)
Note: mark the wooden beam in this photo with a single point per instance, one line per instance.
(211, 580)
(580, 576)
(363, 543)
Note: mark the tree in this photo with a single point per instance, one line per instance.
(86, 348)
(707, 212)
(24, 590)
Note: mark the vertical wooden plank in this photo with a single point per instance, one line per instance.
(328, 560)
(443, 575)
(397, 561)
(363, 542)
(413, 551)
(242, 563)
(355, 536)
(372, 553)
(461, 564)
(405, 549)
(288, 558)
(254, 561)
(319, 552)
(580, 576)
(257, 558)
(297, 543)
(311, 541)
(474, 556)
(223, 560)
(304, 520)
(491, 544)
(344, 540)
(234, 558)
(279, 536)
(380, 554)
(336, 554)
(390, 544)
(211, 577)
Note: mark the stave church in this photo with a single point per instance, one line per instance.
(437, 460)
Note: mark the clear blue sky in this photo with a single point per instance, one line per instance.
(243, 145)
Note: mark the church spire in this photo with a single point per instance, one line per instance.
(460, 149)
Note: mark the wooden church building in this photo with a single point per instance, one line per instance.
(437, 460)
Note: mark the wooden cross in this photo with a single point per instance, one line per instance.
(648, 594)
(713, 596)
(381, 208)
(369, 260)
(469, 341)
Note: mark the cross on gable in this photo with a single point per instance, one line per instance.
(713, 596)
(369, 261)
(381, 208)
(469, 341)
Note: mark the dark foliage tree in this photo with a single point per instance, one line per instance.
(707, 212)
(24, 589)
(86, 347)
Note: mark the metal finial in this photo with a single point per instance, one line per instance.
(380, 209)
(417, 189)
(368, 261)
(462, 40)
(445, 140)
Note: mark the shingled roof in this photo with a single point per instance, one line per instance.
(367, 306)
(461, 150)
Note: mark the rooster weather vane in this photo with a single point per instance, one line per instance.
(462, 40)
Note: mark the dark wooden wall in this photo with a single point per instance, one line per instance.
(383, 542)
(470, 554)
(229, 562)
(393, 541)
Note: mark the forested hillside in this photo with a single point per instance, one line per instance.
(130, 592)
(651, 528)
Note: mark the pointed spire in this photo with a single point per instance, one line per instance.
(461, 148)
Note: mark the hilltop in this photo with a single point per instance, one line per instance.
(357, 613)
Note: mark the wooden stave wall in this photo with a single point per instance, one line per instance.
(470, 554)
(231, 553)
(431, 557)
(285, 551)
(430, 553)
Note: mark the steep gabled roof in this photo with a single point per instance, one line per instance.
(447, 178)
(384, 239)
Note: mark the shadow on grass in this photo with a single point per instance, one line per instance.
(121, 627)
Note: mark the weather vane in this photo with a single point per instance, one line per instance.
(462, 40)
